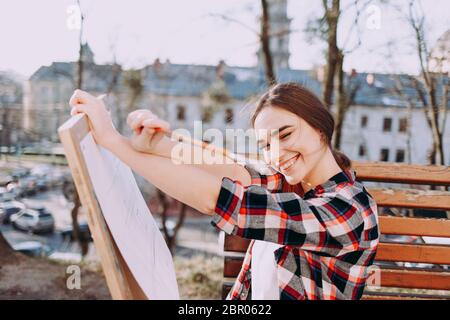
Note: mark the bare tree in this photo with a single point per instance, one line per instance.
(335, 82)
(263, 36)
(265, 43)
(427, 89)
(76, 198)
(331, 17)
(346, 97)
(170, 234)
(134, 81)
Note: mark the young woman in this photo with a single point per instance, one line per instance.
(314, 228)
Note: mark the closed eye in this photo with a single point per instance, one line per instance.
(285, 136)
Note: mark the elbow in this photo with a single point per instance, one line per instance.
(209, 206)
(208, 209)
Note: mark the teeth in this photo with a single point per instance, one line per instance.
(288, 164)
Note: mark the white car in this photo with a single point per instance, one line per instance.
(6, 195)
(8, 208)
(32, 248)
(34, 220)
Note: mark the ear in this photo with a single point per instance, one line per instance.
(323, 138)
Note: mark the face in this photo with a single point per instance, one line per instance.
(289, 144)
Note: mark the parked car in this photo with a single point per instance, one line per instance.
(14, 188)
(85, 233)
(5, 179)
(42, 183)
(6, 195)
(33, 248)
(35, 220)
(67, 257)
(56, 178)
(8, 208)
(27, 186)
(20, 173)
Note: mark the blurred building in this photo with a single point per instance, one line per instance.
(48, 90)
(11, 98)
(386, 121)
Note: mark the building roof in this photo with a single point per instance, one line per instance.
(241, 82)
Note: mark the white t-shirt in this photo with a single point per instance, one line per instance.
(264, 271)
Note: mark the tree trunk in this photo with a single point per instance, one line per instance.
(76, 198)
(332, 18)
(171, 239)
(341, 105)
(265, 44)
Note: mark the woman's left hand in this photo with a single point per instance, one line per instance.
(102, 126)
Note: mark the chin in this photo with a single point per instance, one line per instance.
(294, 178)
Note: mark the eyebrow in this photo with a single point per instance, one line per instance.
(275, 132)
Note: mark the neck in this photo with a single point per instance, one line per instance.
(325, 168)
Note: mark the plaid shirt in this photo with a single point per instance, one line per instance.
(329, 234)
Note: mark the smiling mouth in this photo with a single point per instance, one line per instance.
(288, 164)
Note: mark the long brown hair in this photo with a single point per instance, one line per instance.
(297, 99)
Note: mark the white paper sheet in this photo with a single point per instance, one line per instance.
(130, 222)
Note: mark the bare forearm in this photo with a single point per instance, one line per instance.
(196, 156)
(188, 184)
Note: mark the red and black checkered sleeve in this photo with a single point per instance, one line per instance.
(264, 175)
(331, 225)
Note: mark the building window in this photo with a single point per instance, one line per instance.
(387, 124)
(181, 113)
(364, 121)
(228, 115)
(207, 114)
(403, 125)
(384, 155)
(400, 155)
(362, 150)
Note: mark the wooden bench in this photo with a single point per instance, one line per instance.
(396, 263)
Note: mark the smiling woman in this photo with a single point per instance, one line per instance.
(307, 209)
(314, 227)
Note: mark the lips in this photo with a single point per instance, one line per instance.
(286, 165)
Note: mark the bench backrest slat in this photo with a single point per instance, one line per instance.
(420, 253)
(411, 198)
(402, 173)
(415, 226)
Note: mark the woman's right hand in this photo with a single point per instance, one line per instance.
(147, 129)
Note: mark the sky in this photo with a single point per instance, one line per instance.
(136, 32)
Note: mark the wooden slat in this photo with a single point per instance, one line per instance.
(389, 277)
(226, 287)
(235, 243)
(435, 254)
(418, 279)
(232, 266)
(411, 198)
(415, 226)
(402, 173)
(402, 296)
